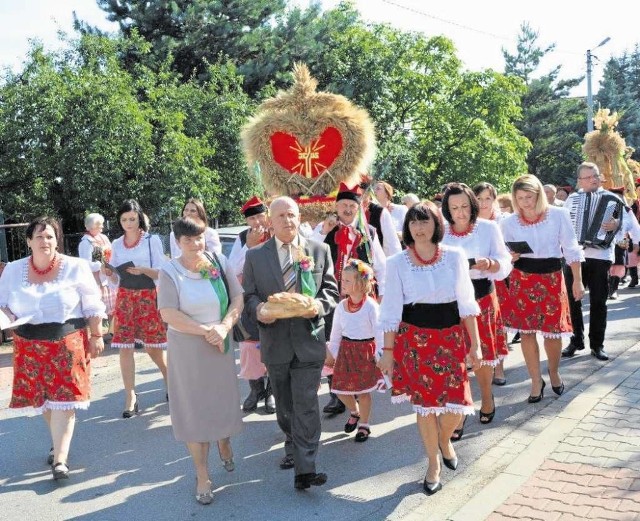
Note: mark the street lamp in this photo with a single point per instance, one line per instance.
(589, 94)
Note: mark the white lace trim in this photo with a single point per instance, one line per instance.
(452, 408)
(579, 258)
(119, 345)
(493, 363)
(545, 334)
(388, 326)
(61, 406)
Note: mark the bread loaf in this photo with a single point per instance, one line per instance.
(287, 305)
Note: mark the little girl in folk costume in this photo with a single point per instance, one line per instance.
(352, 347)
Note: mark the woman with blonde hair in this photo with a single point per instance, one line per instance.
(539, 235)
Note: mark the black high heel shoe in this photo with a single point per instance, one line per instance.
(536, 399)
(558, 389)
(487, 417)
(431, 488)
(458, 433)
(450, 463)
(128, 413)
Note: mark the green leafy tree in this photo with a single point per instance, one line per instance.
(552, 122)
(620, 91)
(79, 133)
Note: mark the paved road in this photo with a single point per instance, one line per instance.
(134, 468)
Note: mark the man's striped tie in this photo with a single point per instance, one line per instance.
(288, 273)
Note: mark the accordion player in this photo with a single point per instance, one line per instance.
(589, 211)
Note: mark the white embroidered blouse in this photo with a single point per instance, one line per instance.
(483, 241)
(552, 237)
(447, 280)
(72, 294)
(148, 253)
(361, 325)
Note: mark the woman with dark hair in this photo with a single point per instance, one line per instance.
(487, 201)
(194, 209)
(61, 303)
(539, 235)
(488, 261)
(428, 304)
(138, 255)
(200, 298)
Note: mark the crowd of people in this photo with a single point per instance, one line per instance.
(409, 298)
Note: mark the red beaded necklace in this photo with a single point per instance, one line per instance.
(424, 262)
(534, 221)
(353, 307)
(124, 241)
(47, 269)
(462, 233)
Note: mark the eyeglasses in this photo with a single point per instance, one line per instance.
(588, 177)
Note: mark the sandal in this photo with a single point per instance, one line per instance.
(206, 497)
(458, 433)
(352, 423)
(228, 463)
(487, 417)
(363, 433)
(60, 471)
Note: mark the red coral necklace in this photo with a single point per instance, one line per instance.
(428, 262)
(124, 241)
(353, 306)
(47, 269)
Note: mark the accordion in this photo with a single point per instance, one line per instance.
(589, 211)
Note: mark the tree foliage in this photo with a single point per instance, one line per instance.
(552, 122)
(79, 133)
(620, 91)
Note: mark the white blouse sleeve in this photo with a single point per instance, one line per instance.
(173, 246)
(90, 295)
(393, 301)
(232, 278)
(571, 250)
(465, 294)
(391, 243)
(374, 319)
(237, 255)
(85, 251)
(10, 276)
(212, 240)
(157, 252)
(379, 264)
(500, 253)
(336, 330)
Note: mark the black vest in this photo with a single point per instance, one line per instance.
(375, 212)
(243, 237)
(361, 249)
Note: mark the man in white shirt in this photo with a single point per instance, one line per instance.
(595, 273)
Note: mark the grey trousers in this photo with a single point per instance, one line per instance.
(295, 389)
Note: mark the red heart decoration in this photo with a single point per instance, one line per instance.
(310, 161)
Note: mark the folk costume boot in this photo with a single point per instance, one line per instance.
(634, 277)
(614, 282)
(269, 400)
(335, 406)
(256, 394)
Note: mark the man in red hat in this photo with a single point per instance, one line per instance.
(346, 241)
(251, 367)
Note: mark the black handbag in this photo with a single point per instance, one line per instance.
(245, 328)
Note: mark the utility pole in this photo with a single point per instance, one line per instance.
(589, 93)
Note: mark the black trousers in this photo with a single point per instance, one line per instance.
(595, 276)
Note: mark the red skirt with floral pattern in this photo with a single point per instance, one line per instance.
(51, 370)
(493, 337)
(355, 370)
(137, 319)
(502, 291)
(430, 369)
(538, 303)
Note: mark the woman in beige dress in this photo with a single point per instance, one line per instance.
(200, 298)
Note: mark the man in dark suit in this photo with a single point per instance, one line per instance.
(293, 349)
